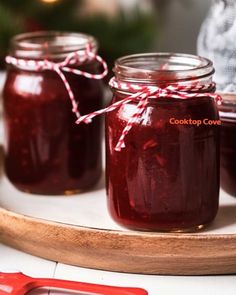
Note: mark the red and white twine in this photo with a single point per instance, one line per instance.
(139, 93)
(142, 94)
(74, 58)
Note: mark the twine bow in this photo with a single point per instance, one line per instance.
(142, 95)
(73, 58)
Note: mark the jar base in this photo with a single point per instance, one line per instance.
(52, 193)
(188, 230)
(66, 193)
(191, 229)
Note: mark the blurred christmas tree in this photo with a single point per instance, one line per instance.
(123, 33)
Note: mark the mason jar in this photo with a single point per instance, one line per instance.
(165, 174)
(45, 151)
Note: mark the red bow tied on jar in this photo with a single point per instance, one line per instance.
(73, 58)
(142, 94)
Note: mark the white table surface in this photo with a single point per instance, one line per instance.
(155, 285)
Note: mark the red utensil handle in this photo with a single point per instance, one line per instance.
(87, 287)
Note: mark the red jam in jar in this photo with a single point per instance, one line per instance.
(166, 178)
(228, 144)
(45, 151)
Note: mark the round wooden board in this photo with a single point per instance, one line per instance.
(124, 251)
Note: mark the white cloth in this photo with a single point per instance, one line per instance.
(217, 41)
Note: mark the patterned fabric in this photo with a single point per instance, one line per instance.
(217, 41)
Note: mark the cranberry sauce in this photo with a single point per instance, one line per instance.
(45, 151)
(228, 144)
(167, 176)
(228, 154)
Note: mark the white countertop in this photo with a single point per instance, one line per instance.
(155, 285)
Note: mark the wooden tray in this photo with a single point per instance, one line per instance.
(77, 230)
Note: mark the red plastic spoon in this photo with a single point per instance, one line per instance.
(19, 284)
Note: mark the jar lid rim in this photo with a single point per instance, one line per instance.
(51, 42)
(170, 66)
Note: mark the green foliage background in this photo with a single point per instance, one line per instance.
(122, 34)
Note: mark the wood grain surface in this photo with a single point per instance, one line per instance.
(124, 251)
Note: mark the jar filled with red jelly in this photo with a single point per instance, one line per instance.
(45, 151)
(162, 143)
(228, 143)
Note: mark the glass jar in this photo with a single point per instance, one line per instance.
(228, 143)
(45, 151)
(166, 178)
